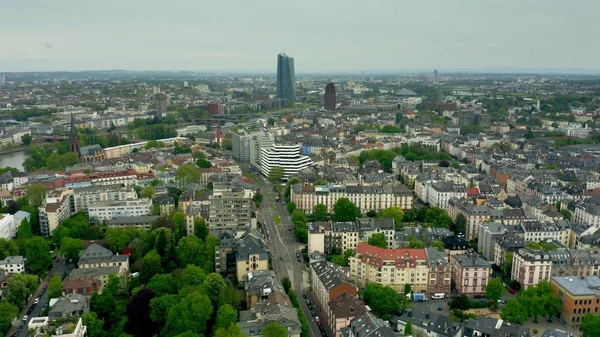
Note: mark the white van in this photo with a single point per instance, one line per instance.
(438, 296)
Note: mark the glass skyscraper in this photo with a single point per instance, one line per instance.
(286, 78)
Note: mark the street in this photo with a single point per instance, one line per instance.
(57, 267)
(283, 247)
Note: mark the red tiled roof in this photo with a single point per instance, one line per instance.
(403, 258)
(472, 190)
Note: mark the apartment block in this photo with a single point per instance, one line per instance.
(57, 207)
(531, 266)
(96, 256)
(586, 211)
(390, 267)
(106, 210)
(470, 273)
(126, 178)
(439, 194)
(341, 311)
(538, 231)
(288, 157)
(579, 296)
(229, 210)
(85, 196)
(13, 264)
(367, 198)
(488, 234)
(329, 282)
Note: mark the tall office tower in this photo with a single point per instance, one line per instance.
(286, 78)
(435, 73)
(73, 139)
(161, 105)
(330, 97)
(2, 78)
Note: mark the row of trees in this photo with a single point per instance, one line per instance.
(538, 300)
(410, 153)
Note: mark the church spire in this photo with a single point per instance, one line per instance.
(73, 140)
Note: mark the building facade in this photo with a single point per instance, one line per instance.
(329, 100)
(470, 273)
(286, 78)
(286, 156)
(106, 210)
(84, 197)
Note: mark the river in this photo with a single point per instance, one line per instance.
(15, 159)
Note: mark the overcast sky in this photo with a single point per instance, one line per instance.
(322, 35)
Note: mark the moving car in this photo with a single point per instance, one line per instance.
(25, 318)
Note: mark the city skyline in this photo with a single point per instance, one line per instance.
(387, 36)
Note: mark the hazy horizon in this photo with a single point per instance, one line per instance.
(335, 37)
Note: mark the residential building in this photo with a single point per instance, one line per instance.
(246, 147)
(102, 211)
(259, 285)
(440, 272)
(86, 196)
(96, 256)
(317, 232)
(8, 227)
(579, 296)
(85, 287)
(492, 327)
(506, 246)
(531, 266)
(470, 273)
(288, 157)
(439, 194)
(143, 221)
(286, 79)
(341, 311)
(57, 207)
(488, 233)
(587, 211)
(229, 210)
(390, 267)
(329, 282)
(430, 324)
(474, 214)
(367, 325)
(98, 274)
(367, 198)
(13, 264)
(251, 256)
(276, 307)
(538, 231)
(69, 306)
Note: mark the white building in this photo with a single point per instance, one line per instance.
(286, 156)
(13, 264)
(247, 147)
(587, 211)
(85, 196)
(56, 208)
(439, 194)
(105, 210)
(531, 266)
(8, 227)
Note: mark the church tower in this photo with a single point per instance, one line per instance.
(73, 141)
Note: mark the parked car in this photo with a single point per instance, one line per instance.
(37, 300)
(25, 318)
(512, 291)
(304, 295)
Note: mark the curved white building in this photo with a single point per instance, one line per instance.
(286, 156)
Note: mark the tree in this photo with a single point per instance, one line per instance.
(151, 265)
(384, 301)
(566, 214)
(590, 326)
(26, 139)
(461, 223)
(71, 248)
(408, 331)
(95, 326)
(8, 248)
(160, 306)
(37, 253)
(258, 199)
(35, 194)
(187, 174)
(287, 284)
(215, 287)
(203, 163)
(276, 174)
(378, 240)
(437, 217)
(191, 275)
(179, 222)
(507, 268)
(8, 312)
(231, 331)
(19, 288)
(407, 288)
(345, 211)
(189, 314)
(395, 213)
(138, 314)
(438, 244)
(24, 231)
(226, 316)
(461, 302)
(494, 291)
(552, 304)
(55, 286)
(162, 284)
(274, 330)
(290, 207)
(190, 251)
(515, 311)
(200, 229)
(319, 212)
(270, 121)
(148, 192)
